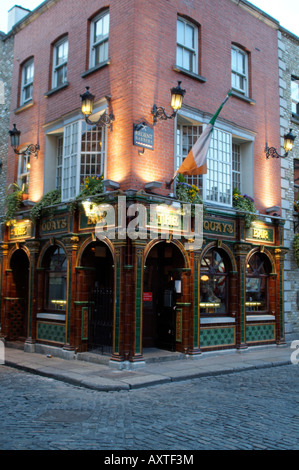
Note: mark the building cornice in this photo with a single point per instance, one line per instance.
(31, 17)
(257, 13)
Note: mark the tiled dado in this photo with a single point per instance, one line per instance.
(217, 337)
(260, 332)
(52, 332)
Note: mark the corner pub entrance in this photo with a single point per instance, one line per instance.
(117, 297)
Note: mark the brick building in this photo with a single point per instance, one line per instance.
(64, 285)
(288, 51)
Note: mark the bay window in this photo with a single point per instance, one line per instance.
(229, 161)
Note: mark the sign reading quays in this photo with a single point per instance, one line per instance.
(58, 224)
(219, 227)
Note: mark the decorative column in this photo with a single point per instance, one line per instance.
(194, 343)
(136, 353)
(279, 311)
(33, 248)
(241, 252)
(3, 264)
(120, 290)
(71, 247)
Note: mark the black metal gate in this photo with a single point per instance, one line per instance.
(101, 320)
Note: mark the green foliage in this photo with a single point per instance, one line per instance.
(296, 248)
(44, 205)
(186, 192)
(13, 202)
(93, 186)
(245, 204)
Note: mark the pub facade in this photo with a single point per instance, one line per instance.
(106, 253)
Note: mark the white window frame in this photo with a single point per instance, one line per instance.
(193, 51)
(27, 81)
(95, 44)
(59, 161)
(61, 66)
(295, 95)
(242, 138)
(75, 157)
(240, 73)
(23, 170)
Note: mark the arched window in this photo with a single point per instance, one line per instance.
(55, 264)
(214, 283)
(257, 283)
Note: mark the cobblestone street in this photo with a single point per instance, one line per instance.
(256, 409)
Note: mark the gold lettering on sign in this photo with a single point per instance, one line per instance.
(218, 227)
(52, 225)
(260, 233)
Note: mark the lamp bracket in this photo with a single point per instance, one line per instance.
(31, 148)
(159, 113)
(104, 120)
(272, 152)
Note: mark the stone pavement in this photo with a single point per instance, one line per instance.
(160, 366)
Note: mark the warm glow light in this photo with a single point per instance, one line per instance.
(176, 102)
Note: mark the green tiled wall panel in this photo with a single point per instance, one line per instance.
(211, 337)
(53, 332)
(257, 333)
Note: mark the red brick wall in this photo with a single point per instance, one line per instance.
(142, 48)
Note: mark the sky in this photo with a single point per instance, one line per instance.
(284, 11)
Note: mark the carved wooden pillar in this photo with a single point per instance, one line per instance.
(33, 247)
(4, 288)
(194, 343)
(241, 252)
(71, 246)
(279, 311)
(121, 287)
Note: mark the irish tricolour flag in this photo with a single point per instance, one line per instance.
(196, 161)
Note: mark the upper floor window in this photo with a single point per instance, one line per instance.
(187, 45)
(23, 171)
(60, 56)
(81, 153)
(99, 37)
(239, 70)
(295, 95)
(27, 81)
(229, 162)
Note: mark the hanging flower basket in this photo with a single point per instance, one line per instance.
(245, 203)
(186, 192)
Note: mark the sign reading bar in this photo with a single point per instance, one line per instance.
(260, 232)
(143, 136)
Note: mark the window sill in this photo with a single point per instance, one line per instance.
(94, 69)
(51, 316)
(24, 106)
(248, 100)
(55, 90)
(255, 318)
(295, 118)
(216, 320)
(176, 68)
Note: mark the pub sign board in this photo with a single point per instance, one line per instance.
(143, 136)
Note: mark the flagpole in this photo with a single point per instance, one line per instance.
(212, 122)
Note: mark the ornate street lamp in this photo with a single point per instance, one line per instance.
(87, 100)
(288, 146)
(15, 142)
(177, 95)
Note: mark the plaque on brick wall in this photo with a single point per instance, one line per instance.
(143, 136)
